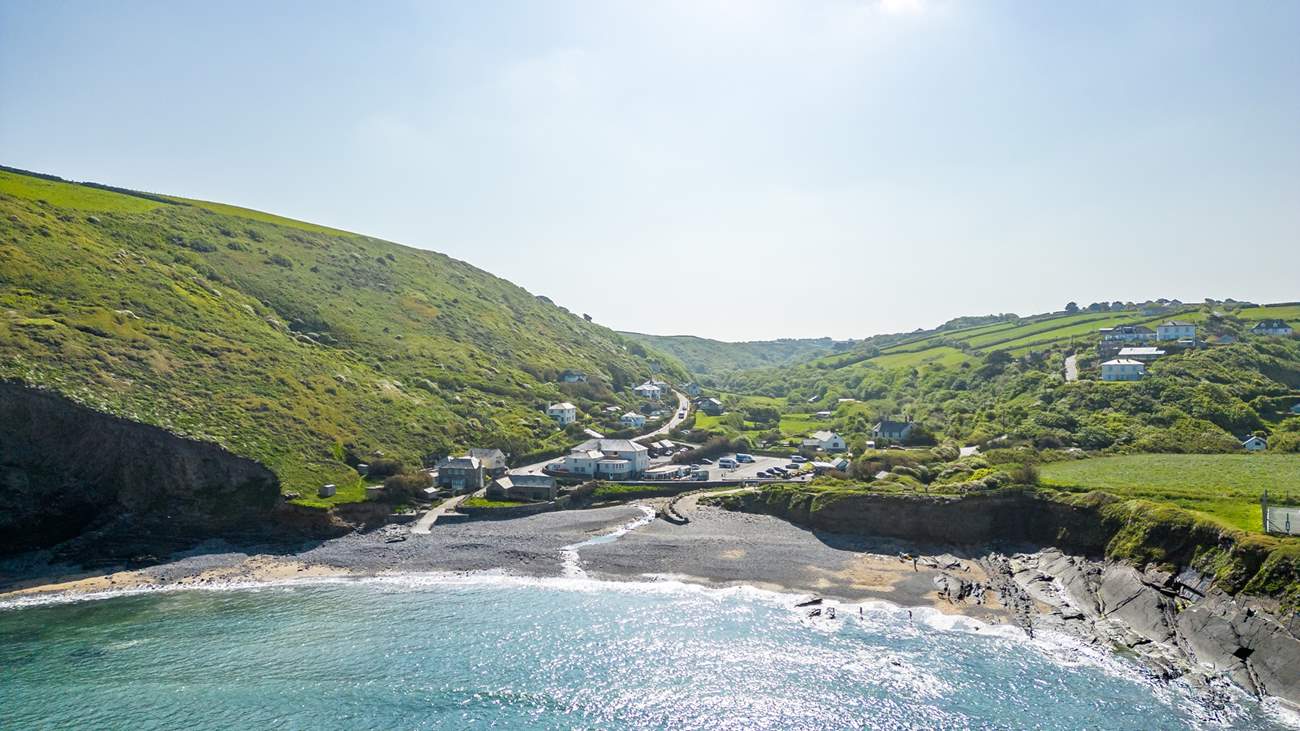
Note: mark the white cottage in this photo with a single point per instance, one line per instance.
(1123, 369)
(648, 390)
(1175, 330)
(826, 441)
(633, 419)
(564, 413)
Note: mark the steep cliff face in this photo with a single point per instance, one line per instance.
(67, 471)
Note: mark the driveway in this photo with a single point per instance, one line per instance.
(1072, 368)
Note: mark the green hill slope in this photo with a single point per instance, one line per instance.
(979, 383)
(296, 345)
(705, 357)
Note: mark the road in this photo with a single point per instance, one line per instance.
(683, 406)
(1072, 368)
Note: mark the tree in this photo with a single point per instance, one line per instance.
(1072, 307)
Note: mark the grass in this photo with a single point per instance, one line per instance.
(290, 344)
(1226, 487)
(482, 502)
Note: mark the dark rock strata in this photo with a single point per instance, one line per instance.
(73, 477)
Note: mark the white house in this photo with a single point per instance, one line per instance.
(826, 441)
(1128, 333)
(1123, 369)
(632, 418)
(564, 413)
(1144, 354)
(612, 458)
(1175, 330)
(1271, 327)
(1255, 444)
(648, 390)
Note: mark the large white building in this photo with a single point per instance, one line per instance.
(1175, 330)
(1123, 369)
(648, 390)
(564, 413)
(608, 458)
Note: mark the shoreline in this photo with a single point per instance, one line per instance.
(1107, 607)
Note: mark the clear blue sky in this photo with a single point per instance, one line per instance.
(729, 169)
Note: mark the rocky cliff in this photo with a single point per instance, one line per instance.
(67, 472)
(1188, 598)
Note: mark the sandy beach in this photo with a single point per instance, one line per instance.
(717, 548)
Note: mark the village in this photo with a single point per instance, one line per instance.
(1125, 358)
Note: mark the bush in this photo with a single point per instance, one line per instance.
(401, 488)
(383, 467)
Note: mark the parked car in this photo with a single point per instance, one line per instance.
(778, 471)
(798, 458)
(744, 458)
(792, 466)
(727, 463)
(706, 460)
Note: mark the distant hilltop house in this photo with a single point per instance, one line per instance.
(1143, 354)
(493, 460)
(632, 418)
(1123, 369)
(823, 415)
(1128, 333)
(523, 487)
(1271, 327)
(711, 406)
(1254, 444)
(608, 458)
(648, 390)
(564, 413)
(825, 441)
(573, 377)
(897, 431)
(692, 389)
(1175, 330)
(461, 474)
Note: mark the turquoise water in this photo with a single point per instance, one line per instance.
(470, 652)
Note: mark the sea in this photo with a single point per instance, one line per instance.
(490, 650)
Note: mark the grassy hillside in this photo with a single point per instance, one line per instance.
(297, 345)
(705, 357)
(1006, 379)
(1226, 487)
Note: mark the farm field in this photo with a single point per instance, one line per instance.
(1226, 487)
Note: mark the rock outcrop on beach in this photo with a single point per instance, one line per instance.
(69, 473)
(1171, 611)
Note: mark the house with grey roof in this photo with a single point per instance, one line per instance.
(1272, 327)
(897, 431)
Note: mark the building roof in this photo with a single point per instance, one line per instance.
(1122, 362)
(528, 480)
(1140, 351)
(1176, 323)
(648, 384)
(823, 436)
(889, 425)
(633, 415)
(565, 405)
(1271, 324)
(489, 457)
(611, 445)
(588, 453)
(462, 463)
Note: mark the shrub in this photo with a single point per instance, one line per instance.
(401, 488)
(383, 467)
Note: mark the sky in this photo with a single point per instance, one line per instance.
(735, 170)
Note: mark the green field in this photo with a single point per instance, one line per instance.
(1224, 486)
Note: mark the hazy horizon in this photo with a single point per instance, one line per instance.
(738, 171)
